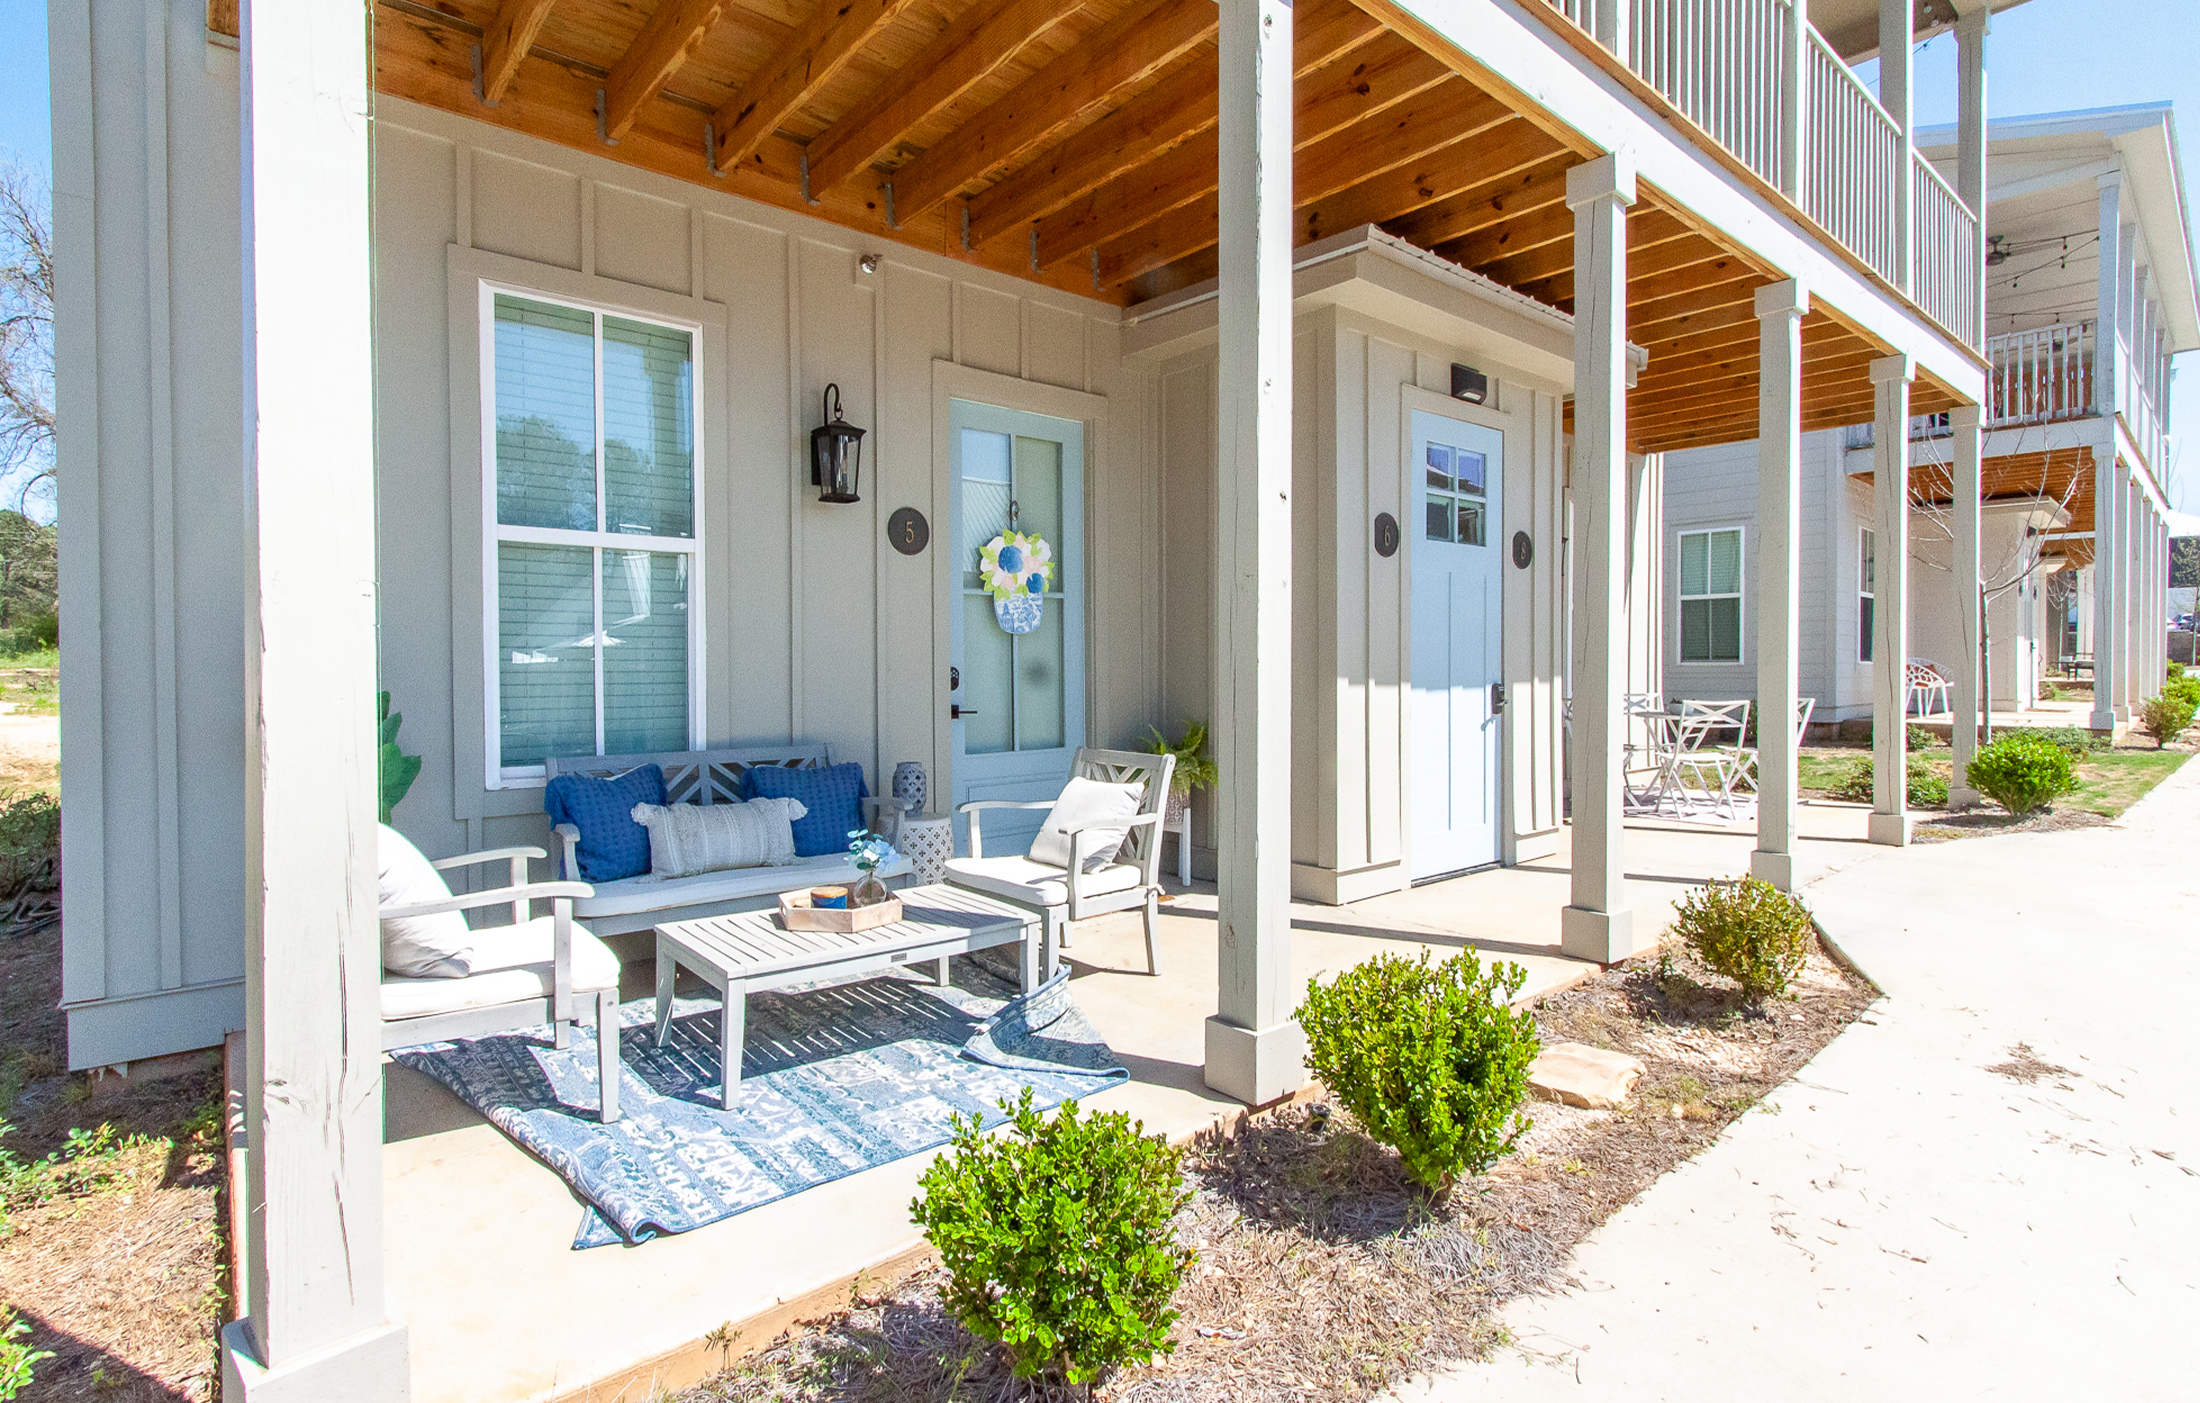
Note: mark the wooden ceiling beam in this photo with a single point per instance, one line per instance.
(1065, 94)
(1705, 296)
(1349, 90)
(1737, 340)
(1742, 372)
(506, 41)
(1659, 261)
(1647, 227)
(1680, 328)
(668, 38)
(987, 35)
(1490, 201)
(1386, 142)
(832, 33)
(1497, 149)
(1695, 392)
(1179, 107)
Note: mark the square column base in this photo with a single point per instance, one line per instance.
(1964, 797)
(1604, 936)
(1775, 869)
(367, 1368)
(1255, 1066)
(1891, 830)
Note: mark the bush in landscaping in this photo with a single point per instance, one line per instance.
(2166, 716)
(1056, 1238)
(30, 842)
(1926, 789)
(1431, 1059)
(2023, 772)
(1748, 930)
(2074, 739)
(1918, 738)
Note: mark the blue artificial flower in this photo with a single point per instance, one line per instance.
(1012, 560)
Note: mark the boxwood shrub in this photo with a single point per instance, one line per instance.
(2023, 772)
(1431, 1059)
(1748, 930)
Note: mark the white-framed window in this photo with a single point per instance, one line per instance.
(591, 561)
(1867, 572)
(1711, 596)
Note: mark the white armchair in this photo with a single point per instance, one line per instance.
(1062, 895)
(537, 970)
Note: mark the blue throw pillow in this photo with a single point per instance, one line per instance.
(833, 794)
(612, 844)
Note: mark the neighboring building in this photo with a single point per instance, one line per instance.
(507, 410)
(2062, 438)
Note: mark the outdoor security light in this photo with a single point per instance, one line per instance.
(836, 453)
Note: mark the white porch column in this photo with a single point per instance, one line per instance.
(1254, 1050)
(1968, 423)
(315, 1325)
(1895, 34)
(1891, 377)
(1597, 924)
(2108, 297)
(2119, 629)
(2107, 502)
(1780, 309)
(1971, 32)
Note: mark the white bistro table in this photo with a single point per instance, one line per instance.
(751, 951)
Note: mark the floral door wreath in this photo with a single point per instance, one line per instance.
(1015, 567)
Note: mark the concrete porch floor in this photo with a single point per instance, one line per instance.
(478, 1233)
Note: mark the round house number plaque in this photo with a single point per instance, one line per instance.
(1523, 550)
(1386, 535)
(909, 532)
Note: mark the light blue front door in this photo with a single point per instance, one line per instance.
(1458, 587)
(1018, 699)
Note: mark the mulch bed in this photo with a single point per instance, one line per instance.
(123, 1281)
(1323, 1272)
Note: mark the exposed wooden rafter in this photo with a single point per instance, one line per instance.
(669, 36)
(1129, 49)
(818, 48)
(987, 35)
(506, 41)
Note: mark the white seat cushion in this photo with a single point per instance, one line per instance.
(436, 947)
(632, 895)
(510, 963)
(1091, 805)
(1035, 883)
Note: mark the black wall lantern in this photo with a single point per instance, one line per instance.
(836, 453)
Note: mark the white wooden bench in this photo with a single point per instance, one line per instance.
(704, 777)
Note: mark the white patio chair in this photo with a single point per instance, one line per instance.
(1132, 879)
(1926, 683)
(537, 970)
(1804, 707)
(1715, 756)
(1642, 766)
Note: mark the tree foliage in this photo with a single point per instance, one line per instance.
(26, 331)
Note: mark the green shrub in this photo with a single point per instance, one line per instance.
(16, 1356)
(2023, 771)
(2074, 739)
(2175, 672)
(30, 842)
(1926, 790)
(2166, 716)
(2048, 691)
(1431, 1059)
(1056, 1238)
(1748, 930)
(1918, 738)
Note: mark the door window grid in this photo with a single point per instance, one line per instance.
(1457, 508)
(1013, 685)
(1867, 571)
(1711, 596)
(591, 549)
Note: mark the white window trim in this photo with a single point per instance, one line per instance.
(1862, 640)
(495, 774)
(1741, 606)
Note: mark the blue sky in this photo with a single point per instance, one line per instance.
(2045, 56)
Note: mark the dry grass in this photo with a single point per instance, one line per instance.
(1323, 1273)
(120, 1276)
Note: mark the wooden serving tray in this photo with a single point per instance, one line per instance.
(796, 913)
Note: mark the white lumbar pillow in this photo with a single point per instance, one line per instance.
(685, 839)
(424, 947)
(1087, 803)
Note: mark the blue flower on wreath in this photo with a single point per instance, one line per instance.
(1015, 563)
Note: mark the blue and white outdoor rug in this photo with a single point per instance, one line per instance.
(834, 1081)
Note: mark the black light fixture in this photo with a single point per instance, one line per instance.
(836, 453)
(1469, 384)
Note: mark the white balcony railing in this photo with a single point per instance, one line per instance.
(1798, 117)
(2040, 376)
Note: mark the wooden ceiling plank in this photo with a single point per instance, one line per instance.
(1647, 227)
(668, 38)
(1685, 255)
(1498, 149)
(1067, 93)
(1705, 296)
(1669, 329)
(817, 48)
(1179, 107)
(987, 35)
(1487, 203)
(506, 41)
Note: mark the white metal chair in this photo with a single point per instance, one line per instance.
(537, 970)
(1064, 895)
(1643, 764)
(1804, 707)
(1926, 685)
(1716, 755)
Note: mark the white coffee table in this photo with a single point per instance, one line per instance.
(742, 953)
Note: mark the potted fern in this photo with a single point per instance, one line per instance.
(1195, 768)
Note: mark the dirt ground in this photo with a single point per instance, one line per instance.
(118, 1269)
(1323, 1273)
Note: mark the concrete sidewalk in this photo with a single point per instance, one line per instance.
(1900, 1221)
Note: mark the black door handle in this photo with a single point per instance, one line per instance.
(957, 713)
(1497, 696)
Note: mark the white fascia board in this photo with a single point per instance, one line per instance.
(1521, 51)
(1398, 284)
